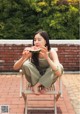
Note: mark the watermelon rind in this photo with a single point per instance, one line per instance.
(35, 51)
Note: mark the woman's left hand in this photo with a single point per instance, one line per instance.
(44, 52)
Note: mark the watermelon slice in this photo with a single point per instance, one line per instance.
(27, 49)
(35, 49)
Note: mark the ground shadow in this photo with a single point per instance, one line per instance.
(44, 111)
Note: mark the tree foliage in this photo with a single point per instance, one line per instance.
(19, 19)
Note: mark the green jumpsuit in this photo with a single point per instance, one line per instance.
(34, 76)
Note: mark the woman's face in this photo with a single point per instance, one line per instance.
(39, 41)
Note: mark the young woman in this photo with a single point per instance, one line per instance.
(41, 69)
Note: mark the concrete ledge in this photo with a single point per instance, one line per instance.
(16, 73)
(2, 61)
(19, 42)
(71, 72)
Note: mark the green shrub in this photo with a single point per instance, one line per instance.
(19, 19)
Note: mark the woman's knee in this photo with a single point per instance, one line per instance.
(25, 64)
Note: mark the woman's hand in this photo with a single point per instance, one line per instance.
(44, 52)
(26, 54)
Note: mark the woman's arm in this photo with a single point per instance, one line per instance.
(25, 55)
(52, 60)
(19, 63)
(54, 63)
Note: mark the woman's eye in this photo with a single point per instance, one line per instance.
(39, 39)
(34, 40)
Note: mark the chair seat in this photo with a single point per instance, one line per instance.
(50, 90)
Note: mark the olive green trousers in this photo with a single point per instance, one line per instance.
(33, 76)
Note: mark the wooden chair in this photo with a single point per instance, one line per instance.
(52, 91)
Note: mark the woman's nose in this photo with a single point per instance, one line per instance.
(36, 41)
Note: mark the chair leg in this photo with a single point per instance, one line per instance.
(26, 106)
(55, 106)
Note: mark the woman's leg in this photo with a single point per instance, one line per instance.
(48, 78)
(31, 72)
(26, 71)
(32, 75)
(36, 88)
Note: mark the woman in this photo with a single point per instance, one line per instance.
(43, 68)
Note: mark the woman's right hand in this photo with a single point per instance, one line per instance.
(26, 54)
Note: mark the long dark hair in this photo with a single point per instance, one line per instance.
(35, 56)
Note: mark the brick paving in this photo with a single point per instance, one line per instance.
(72, 84)
(68, 104)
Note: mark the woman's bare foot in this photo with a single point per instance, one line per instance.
(43, 91)
(36, 90)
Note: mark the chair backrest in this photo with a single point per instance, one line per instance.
(56, 49)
